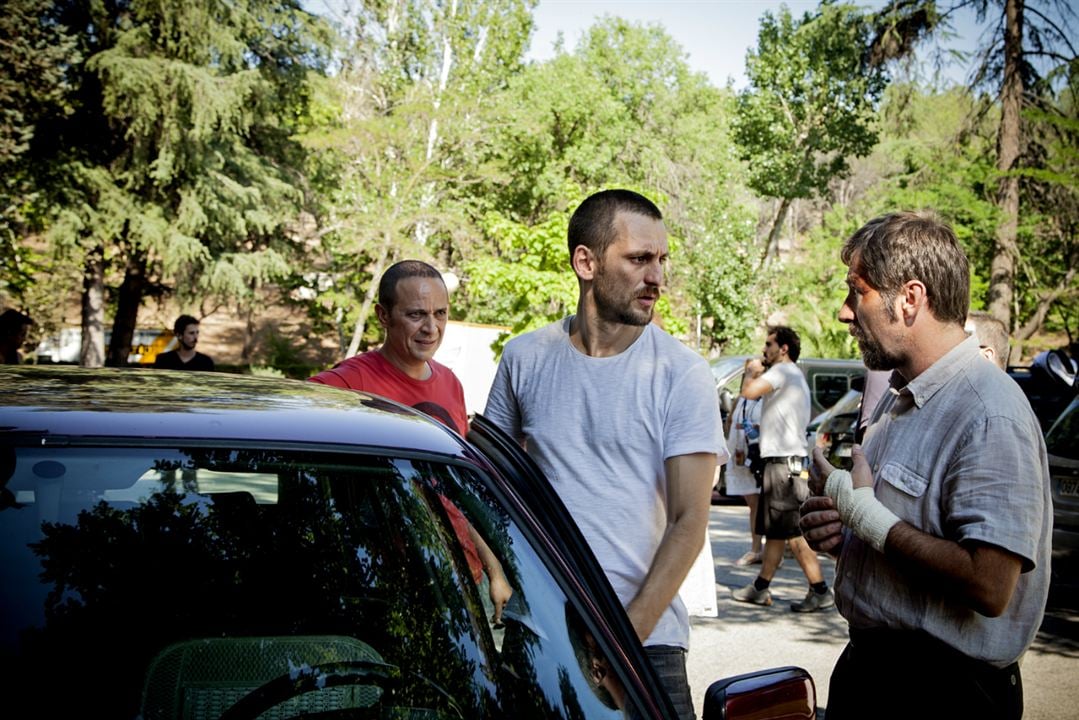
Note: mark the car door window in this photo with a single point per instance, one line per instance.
(244, 581)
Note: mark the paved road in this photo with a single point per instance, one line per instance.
(748, 637)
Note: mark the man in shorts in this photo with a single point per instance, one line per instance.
(785, 413)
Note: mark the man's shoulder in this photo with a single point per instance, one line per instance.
(352, 373)
(169, 360)
(538, 339)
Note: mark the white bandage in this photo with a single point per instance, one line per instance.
(859, 509)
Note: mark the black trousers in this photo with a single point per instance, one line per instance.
(904, 674)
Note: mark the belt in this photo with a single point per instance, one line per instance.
(781, 459)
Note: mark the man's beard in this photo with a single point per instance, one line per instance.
(617, 307)
(874, 356)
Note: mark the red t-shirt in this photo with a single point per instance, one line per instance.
(440, 396)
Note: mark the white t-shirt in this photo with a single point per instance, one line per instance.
(785, 413)
(600, 429)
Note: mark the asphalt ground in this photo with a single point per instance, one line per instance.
(748, 637)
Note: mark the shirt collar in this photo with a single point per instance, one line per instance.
(937, 375)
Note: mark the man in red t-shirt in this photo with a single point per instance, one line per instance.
(413, 306)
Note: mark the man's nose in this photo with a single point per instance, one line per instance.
(846, 314)
(654, 275)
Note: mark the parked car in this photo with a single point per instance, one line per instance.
(829, 380)
(1049, 392)
(834, 429)
(200, 545)
(1062, 445)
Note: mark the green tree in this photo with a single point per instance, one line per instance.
(623, 109)
(33, 53)
(810, 104)
(1028, 65)
(402, 137)
(175, 170)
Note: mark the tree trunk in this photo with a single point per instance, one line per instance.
(369, 298)
(127, 309)
(92, 344)
(1009, 146)
(777, 227)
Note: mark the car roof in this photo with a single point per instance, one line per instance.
(146, 404)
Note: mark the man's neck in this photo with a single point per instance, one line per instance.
(598, 338)
(929, 346)
(186, 354)
(416, 369)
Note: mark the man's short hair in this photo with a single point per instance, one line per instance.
(182, 322)
(387, 286)
(12, 321)
(894, 249)
(787, 336)
(991, 333)
(592, 223)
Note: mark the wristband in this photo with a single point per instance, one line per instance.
(860, 510)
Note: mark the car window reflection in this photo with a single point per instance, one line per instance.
(229, 580)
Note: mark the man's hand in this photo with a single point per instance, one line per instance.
(820, 524)
(500, 592)
(754, 368)
(819, 470)
(860, 474)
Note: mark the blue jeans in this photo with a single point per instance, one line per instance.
(670, 664)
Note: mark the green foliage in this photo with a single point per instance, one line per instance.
(172, 153)
(810, 101)
(529, 283)
(649, 124)
(399, 141)
(33, 53)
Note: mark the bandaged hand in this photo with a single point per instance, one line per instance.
(858, 507)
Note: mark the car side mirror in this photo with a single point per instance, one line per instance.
(786, 692)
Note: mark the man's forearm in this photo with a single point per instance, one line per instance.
(670, 566)
(981, 576)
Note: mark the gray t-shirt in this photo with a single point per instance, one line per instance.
(958, 454)
(600, 429)
(786, 411)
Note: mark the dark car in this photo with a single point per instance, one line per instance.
(1062, 445)
(197, 545)
(834, 429)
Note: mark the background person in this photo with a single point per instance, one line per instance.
(785, 413)
(623, 419)
(184, 357)
(413, 307)
(744, 468)
(942, 529)
(14, 327)
(993, 341)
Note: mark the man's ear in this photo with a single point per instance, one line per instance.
(383, 315)
(584, 262)
(913, 299)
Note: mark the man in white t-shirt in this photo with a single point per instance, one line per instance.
(776, 378)
(623, 420)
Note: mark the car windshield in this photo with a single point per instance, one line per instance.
(187, 582)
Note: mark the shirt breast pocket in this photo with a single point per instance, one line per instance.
(902, 490)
